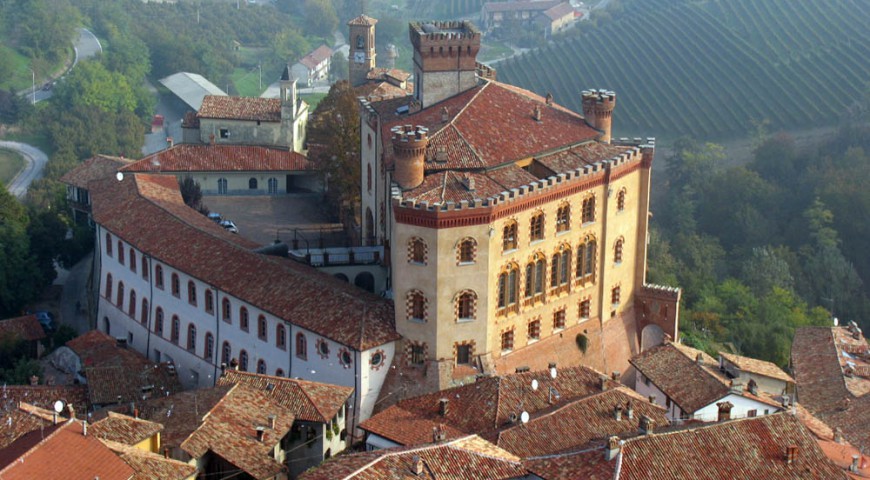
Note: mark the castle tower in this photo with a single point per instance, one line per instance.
(598, 110)
(409, 146)
(362, 48)
(287, 93)
(445, 54)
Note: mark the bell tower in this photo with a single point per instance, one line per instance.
(362, 48)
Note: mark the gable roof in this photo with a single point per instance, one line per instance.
(220, 158)
(22, 328)
(191, 88)
(17, 421)
(363, 20)
(147, 211)
(759, 367)
(240, 108)
(307, 401)
(148, 465)
(559, 11)
(533, 5)
(44, 396)
(230, 431)
(125, 429)
(674, 369)
(470, 457)
(94, 168)
(181, 413)
(316, 57)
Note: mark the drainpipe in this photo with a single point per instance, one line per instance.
(148, 324)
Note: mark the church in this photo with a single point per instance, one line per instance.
(516, 228)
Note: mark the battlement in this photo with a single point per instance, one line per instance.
(602, 101)
(409, 145)
(409, 137)
(661, 292)
(443, 33)
(485, 71)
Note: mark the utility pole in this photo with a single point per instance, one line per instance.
(32, 87)
(260, 68)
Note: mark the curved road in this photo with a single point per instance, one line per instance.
(36, 161)
(87, 45)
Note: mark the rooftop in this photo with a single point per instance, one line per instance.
(22, 419)
(759, 367)
(181, 413)
(94, 168)
(240, 108)
(125, 429)
(191, 88)
(150, 466)
(534, 5)
(220, 158)
(316, 57)
(22, 328)
(44, 396)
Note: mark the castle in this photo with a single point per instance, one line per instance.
(517, 229)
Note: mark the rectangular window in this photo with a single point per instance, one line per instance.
(224, 133)
(615, 295)
(507, 341)
(559, 319)
(418, 355)
(534, 330)
(752, 413)
(585, 307)
(463, 354)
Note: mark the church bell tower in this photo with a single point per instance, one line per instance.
(362, 48)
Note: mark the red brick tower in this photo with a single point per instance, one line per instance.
(409, 146)
(598, 108)
(444, 59)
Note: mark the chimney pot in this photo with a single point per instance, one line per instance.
(34, 381)
(416, 465)
(791, 453)
(54, 418)
(617, 413)
(84, 428)
(629, 410)
(854, 466)
(614, 375)
(443, 407)
(165, 452)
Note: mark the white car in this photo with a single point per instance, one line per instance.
(229, 226)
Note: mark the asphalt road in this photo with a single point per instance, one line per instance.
(36, 161)
(86, 45)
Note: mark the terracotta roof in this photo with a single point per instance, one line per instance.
(94, 168)
(117, 374)
(44, 396)
(240, 108)
(315, 58)
(220, 158)
(842, 455)
(583, 421)
(64, 453)
(125, 429)
(568, 466)
(22, 328)
(533, 5)
(760, 367)
(305, 400)
(17, 421)
(383, 73)
(379, 91)
(230, 430)
(147, 211)
(673, 369)
(558, 11)
(469, 458)
(148, 465)
(482, 407)
(363, 20)
(181, 413)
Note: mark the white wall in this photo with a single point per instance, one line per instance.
(741, 408)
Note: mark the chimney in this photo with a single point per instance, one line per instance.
(699, 359)
(617, 413)
(443, 407)
(647, 425)
(34, 380)
(602, 383)
(791, 453)
(84, 428)
(614, 375)
(469, 183)
(652, 399)
(261, 432)
(223, 368)
(838, 435)
(854, 466)
(72, 411)
(165, 452)
(54, 418)
(629, 410)
(611, 450)
(752, 387)
(170, 142)
(598, 108)
(416, 465)
(438, 434)
(536, 113)
(549, 98)
(445, 115)
(135, 413)
(271, 419)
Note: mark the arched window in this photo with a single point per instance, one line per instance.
(243, 361)
(279, 373)
(417, 251)
(191, 292)
(301, 346)
(222, 186)
(244, 319)
(176, 330)
(261, 366)
(370, 227)
(132, 260)
(191, 337)
(158, 276)
(176, 285)
(466, 250)
(120, 300)
(209, 346)
(620, 200)
(589, 209)
(158, 322)
(144, 318)
(560, 267)
(586, 260)
(536, 227)
(262, 329)
(563, 218)
(109, 287)
(209, 301)
(617, 250)
(252, 184)
(416, 303)
(509, 237)
(508, 286)
(536, 271)
(144, 267)
(226, 353)
(465, 306)
(131, 305)
(360, 42)
(227, 310)
(120, 252)
(281, 337)
(369, 172)
(108, 244)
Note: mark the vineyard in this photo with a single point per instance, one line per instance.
(712, 68)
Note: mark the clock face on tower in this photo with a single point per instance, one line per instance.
(359, 57)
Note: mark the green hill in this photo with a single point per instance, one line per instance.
(712, 68)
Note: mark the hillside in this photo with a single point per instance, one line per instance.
(712, 68)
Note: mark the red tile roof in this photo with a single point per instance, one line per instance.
(44, 396)
(94, 168)
(125, 429)
(533, 5)
(674, 370)
(220, 158)
(590, 463)
(315, 58)
(759, 367)
(559, 11)
(230, 428)
(150, 466)
(305, 400)
(16, 421)
(240, 108)
(64, 453)
(22, 328)
(180, 413)
(363, 20)
(147, 211)
(469, 458)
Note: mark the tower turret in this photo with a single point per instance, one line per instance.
(598, 108)
(445, 56)
(409, 147)
(287, 92)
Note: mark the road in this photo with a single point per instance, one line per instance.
(36, 161)
(87, 45)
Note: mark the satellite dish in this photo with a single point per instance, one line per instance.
(534, 384)
(119, 176)
(553, 372)
(524, 417)
(58, 406)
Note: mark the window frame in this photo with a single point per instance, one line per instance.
(510, 237)
(563, 218)
(536, 227)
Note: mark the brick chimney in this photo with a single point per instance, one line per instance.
(409, 147)
(617, 413)
(611, 450)
(443, 407)
(598, 108)
(416, 465)
(647, 425)
(791, 454)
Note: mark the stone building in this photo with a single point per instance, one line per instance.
(516, 228)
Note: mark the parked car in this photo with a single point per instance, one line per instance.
(215, 217)
(46, 319)
(229, 225)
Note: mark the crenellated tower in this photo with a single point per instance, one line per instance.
(445, 56)
(598, 108)
(409, 146)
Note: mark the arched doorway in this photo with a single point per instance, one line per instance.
(650, 336)
(366, 281)
(370, 227)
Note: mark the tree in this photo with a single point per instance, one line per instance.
(338, 67)
(20, 278)
(191, 193)
(320, 17)
(91, 84)
(766, 269)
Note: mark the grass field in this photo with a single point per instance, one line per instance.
(312, 99)
(247, 82)
(20, 68)
(10, 164)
